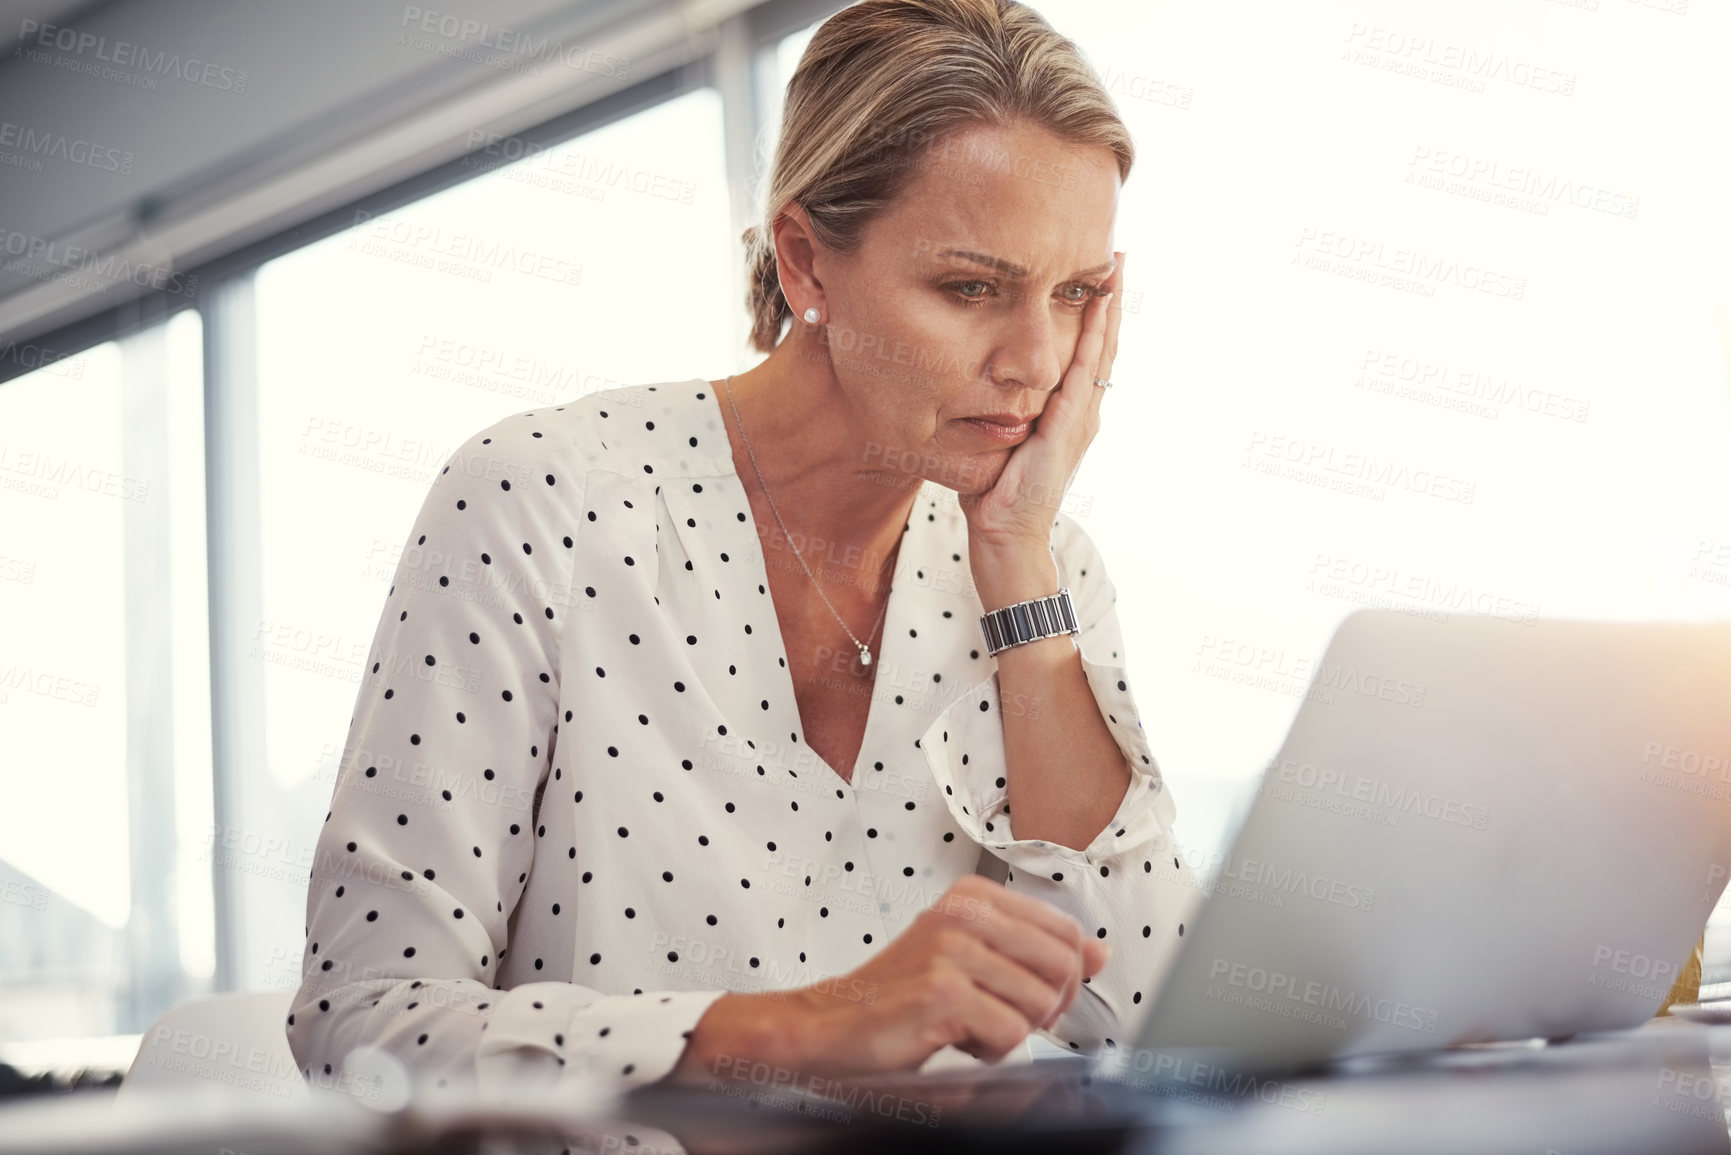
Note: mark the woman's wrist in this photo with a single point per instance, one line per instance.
(1005, 576)
(780, 1028)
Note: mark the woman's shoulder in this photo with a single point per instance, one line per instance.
(665, 427)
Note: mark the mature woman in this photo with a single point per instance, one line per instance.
(690, 733)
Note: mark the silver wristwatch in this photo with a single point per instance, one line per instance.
(1029, 621)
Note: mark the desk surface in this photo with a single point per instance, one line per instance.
(1662, 1088)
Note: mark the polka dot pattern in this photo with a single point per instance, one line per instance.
(575, 806)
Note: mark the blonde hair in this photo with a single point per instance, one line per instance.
(883, 78)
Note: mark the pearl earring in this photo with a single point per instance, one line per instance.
(811, 315)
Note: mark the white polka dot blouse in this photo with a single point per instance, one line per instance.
(574, 807)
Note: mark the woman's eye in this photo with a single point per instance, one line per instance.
(1077, 294)
(971, 290)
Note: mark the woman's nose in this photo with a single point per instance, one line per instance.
(1032, 348)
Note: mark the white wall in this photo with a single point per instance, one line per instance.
(1286, 152)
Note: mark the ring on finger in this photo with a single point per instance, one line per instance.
(1103, 383)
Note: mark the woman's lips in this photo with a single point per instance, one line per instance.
(1003, 434)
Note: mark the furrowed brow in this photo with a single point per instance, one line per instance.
(1011, 268)
(998, 263)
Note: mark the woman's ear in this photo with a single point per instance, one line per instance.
(796, 255)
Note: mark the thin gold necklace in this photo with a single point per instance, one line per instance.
(865, 653)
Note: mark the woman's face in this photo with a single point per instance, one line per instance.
(966, 297)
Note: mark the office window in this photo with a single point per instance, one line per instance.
(775, 69)
(598, 263)
(105, 909)
(62, 697)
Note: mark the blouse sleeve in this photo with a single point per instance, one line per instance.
(429, 840)
(1129, 885)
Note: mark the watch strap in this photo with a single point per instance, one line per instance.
(1029, 621)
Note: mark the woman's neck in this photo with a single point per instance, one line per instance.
(817, 458)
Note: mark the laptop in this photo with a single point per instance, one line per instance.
(1475, 830)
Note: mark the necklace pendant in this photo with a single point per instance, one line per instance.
(865, 656)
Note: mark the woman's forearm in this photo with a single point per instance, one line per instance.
(1066, 775)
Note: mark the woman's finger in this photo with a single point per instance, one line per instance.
(1033, 991)
(993, 1026)
(1095, 954)
(1109, 345)
(1034, 934)
(1078, 379)
(986, 897)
